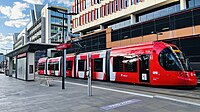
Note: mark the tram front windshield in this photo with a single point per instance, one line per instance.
(172, 59)
(181, 57)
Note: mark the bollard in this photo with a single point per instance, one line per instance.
(89, 75)
(89, 84)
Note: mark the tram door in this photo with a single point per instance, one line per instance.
(144, 68)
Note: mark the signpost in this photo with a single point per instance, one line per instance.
(64, 12)
(63, 46)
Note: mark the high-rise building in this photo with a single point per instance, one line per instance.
(105, 24)
(44, 24)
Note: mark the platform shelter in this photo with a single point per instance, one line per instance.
(25, 60)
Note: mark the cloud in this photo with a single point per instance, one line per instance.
(34, 1)
(15, 12)
(6, 42)
(68, 3)
(16, 23)
(3, 17)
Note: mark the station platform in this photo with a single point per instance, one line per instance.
(17, 95)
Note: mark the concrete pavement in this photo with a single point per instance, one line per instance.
(17, 95)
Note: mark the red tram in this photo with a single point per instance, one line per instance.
(155, 63)
(54, 66)
(42, 66)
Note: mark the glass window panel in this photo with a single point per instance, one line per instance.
(115, 35)
(190, 3)
(143, 18)
(94, 48)
(196, 12)
(69, 65)
(95, 41)
(136, 31)
(148, 30)
(125, 33)
(102, 46)
(130, 66)
(183, 15)
(162, 25)
(178, 7)
(98, 65)
(197, 2)
(117, 64)
(187, 23)
(168, 60)
(116, 2)
(88, 48)
(196, 20)
(81, 65)
(172, 9)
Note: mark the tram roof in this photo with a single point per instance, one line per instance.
(30, 47)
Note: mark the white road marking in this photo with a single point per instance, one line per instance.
(120, 104)
(109, 89)
(176, 100)
(137, 94)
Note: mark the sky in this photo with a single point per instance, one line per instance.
(15, 15)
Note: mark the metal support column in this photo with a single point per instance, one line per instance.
(10, 67)
(89, 75)
(64, 53)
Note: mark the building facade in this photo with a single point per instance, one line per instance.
(127, 22)
(44, 25)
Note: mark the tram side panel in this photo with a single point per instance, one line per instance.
(81, 65)
(70, 60)
(54, 66)
(126, 64)
(160, 76)
(49, 67)
(122, 71)
(166, 68)
(58, 67)
(98, 65)
(42, 66)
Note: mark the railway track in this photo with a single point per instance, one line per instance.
(183, 93)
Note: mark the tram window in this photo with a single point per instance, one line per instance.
(49, 66)
(56, 66)
(131, 67)
(69, 65)
(117, 64)
(168, 61)
(41, 66)
(81, 64)
(98, 65)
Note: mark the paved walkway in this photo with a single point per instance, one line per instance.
(17, 96)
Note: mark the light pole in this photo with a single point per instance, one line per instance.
(63, 12)
(160, 33)
(157, 33)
